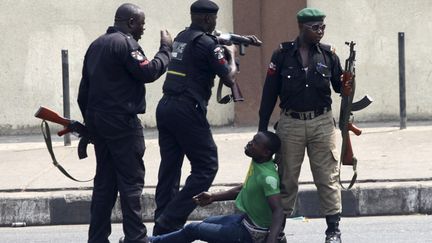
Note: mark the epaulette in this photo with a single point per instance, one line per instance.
(213, 37)
(285, 46)
(328, 48)
(132, 43)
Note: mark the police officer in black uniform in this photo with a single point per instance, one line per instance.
(301, 74)
(181, 116)
(111, 94)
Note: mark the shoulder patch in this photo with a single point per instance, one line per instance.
(271, 69)
(137, 55)
(272, 182)
(219, 53)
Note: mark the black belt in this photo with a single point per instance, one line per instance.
(307, 115)
(182, 98)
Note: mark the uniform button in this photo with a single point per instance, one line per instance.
(307, 85)
(289, 76)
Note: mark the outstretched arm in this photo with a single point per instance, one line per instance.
(206, 198)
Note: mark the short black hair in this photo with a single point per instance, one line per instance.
(126, 11)
(274, 142)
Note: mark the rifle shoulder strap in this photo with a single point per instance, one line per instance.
(354, 177)
(47, 137)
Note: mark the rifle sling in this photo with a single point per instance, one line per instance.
(353, 179)
(226, 99)
(47, 137)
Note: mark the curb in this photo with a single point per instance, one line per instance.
(73, 207)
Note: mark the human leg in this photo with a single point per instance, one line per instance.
(325, 169)
(290, 158)
(104, 194)
(171, 163)
(192, 132)
(130, 172)
(217, 229)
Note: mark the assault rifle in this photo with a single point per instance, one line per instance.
(242, 42)
(71, 126)
(347, 107)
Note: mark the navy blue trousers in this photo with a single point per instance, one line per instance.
(183, 131)
(119, 146)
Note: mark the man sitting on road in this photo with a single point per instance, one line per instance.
(257, 198)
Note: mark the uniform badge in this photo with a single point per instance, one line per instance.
(137, 55)
(219, 54)
(271, 69)
(178, 50)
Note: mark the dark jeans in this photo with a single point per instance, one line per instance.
(183, 130)
(217, 229)
(119, 147)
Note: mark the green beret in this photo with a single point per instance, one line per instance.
(310, 15)
(204, 6)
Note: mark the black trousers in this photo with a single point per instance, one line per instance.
(183, 130)
(119, 147)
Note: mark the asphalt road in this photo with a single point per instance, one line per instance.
(384, 229)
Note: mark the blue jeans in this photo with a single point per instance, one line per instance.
(216, 229)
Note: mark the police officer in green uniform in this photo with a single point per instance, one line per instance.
(111, 94)
(301, 73)
(181, 116)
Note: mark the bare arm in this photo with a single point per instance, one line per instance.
(206, 198)
(277, 217)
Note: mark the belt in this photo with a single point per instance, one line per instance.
(307, 115)
(182, 98)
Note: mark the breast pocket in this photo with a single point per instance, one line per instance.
(324, 74)
(292, 79)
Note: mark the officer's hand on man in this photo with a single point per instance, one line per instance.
(166, 38)
(203, 199)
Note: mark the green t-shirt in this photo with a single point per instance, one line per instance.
(261, 182)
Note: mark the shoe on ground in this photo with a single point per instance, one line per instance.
(121, 240)
(333, 237)
(281, 238)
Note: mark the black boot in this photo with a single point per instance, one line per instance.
(333, 234)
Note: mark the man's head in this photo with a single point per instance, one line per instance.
(262, 147)
(130, 19)
(311, 25)
(204, 14)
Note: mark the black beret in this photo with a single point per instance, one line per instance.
(204, 6)
(310, 15)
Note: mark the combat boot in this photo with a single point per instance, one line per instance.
(333, 234)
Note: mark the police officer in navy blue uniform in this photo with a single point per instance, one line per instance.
(181, 116)
(111, 94)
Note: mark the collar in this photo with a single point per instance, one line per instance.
(114, 29)
(196, 27)
(269, 161)
(295, 46)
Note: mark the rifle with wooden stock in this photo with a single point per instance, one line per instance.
(346, 117)
(70, 126)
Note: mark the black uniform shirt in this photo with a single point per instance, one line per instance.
(299, 89)
(207, 60)
(114, 73)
